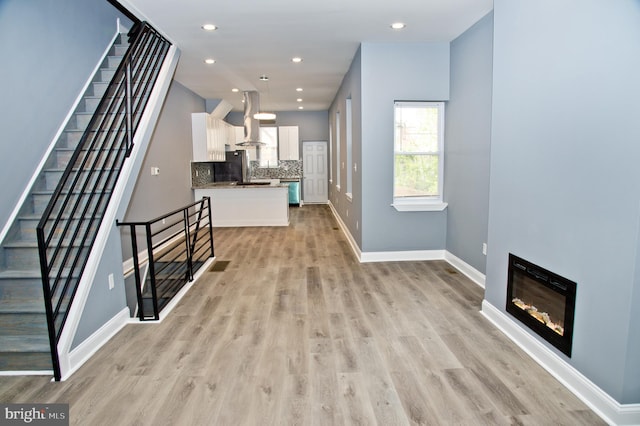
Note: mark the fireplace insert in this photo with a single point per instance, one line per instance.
(543, 301)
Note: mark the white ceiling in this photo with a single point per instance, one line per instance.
(256, 37)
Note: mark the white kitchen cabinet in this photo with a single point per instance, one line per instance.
(209, 136)
(199, 136)
(288, 143)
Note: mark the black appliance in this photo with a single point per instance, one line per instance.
(234, 169)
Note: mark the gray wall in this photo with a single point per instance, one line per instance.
(103, 304)
(565, 180)
(312, 125)
(49, 48)
(390, 72)
(170, 150)
(468, 143)
(350, 211)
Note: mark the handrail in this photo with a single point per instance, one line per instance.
(70, 222)
(174, 254)
(125, 11)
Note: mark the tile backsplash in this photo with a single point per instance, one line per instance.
(201, 174)
(287, 169)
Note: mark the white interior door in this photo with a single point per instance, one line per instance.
(314, 171)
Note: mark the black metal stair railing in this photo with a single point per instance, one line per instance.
(177, 245)
(70, 222)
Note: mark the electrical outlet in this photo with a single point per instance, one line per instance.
(112, 284)
(155, 171)
(484, 248)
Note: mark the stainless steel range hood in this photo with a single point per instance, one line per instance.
(251, 125)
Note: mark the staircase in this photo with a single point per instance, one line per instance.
(24, 339)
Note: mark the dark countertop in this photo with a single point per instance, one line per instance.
(236, 185)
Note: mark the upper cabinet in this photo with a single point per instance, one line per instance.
(210, 135)
(288, 143)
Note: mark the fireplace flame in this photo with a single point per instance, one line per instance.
(543, 317)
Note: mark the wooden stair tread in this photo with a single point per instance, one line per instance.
(24, 343)
(19, 274)
(21, 306)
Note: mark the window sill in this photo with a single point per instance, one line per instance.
(349, 196)
(422, 206)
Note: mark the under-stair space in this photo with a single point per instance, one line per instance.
(24, 339)
(168, 252)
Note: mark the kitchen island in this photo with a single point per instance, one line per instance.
(246, 204)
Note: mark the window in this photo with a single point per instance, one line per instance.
(418, 156)
(268, 152)
(349, 130)
(330, 152)
(338, 163)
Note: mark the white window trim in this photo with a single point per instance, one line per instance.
(414, 204)
(418, 204)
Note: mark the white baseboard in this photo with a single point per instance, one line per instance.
(401, 256)
(408, 255)
(345, 231)
(472, 273)
(27, 373)
(384, 256)
(598, 400)
(85, 350)
(176, 299)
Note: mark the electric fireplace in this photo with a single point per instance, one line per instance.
(543, 301)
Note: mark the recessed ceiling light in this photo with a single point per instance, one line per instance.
(300, 107)
(209, 27)
(264, 78)
(299, 89)
(299, 100)
(398, 25)
(235, 90)
(209, 61)
(296, 60)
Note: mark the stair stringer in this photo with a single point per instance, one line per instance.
(70, 362)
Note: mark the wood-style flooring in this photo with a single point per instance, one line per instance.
(295, 331)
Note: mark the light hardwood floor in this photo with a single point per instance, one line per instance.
(296, 332)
